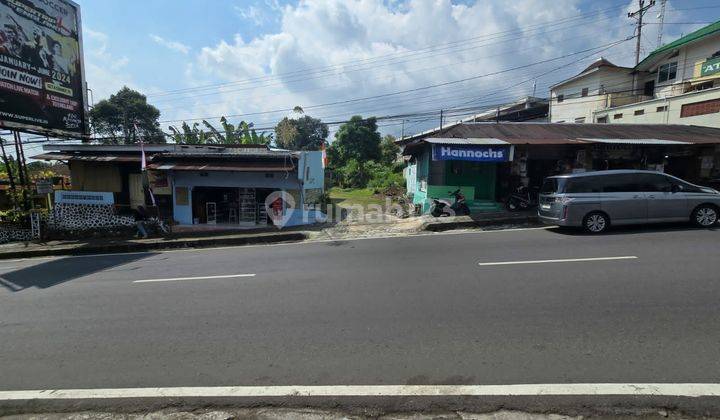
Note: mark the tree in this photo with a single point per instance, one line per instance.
(389, 150)
(303, 133)
(357, 139)
(243, 133)
(115, 119)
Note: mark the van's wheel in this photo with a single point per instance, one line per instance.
(705, 216)
(596, 222)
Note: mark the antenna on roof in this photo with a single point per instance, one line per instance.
(661, 17)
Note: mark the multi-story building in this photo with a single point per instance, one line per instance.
(679, 83)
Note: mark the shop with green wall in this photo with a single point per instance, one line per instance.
(438, 170)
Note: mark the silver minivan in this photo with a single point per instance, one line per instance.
(594, 200)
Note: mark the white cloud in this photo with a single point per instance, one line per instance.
(173, 45)
(404, 45)
(104, 72)
(251, 13)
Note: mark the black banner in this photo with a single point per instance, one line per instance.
(41, 80)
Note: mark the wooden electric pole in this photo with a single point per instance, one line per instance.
(642, 8)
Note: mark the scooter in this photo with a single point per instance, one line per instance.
(444, 208)
(521, 199)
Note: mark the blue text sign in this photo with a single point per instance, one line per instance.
(470, 152)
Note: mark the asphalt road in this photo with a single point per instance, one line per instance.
(412, 310)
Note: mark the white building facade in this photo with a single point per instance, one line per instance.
(678, 83)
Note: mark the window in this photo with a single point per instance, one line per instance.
(580, 120)
(700, 108)
(617, 116)
(602, 120)
(584, 184)
(667, 72)
(560, 98)
(653, 183)
(621, 183)
(584, 92)
(661, 108)
(639, 112)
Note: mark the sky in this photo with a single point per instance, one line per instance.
(255, 60)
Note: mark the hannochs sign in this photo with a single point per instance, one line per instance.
(471, 152)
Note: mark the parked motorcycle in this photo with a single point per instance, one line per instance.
(444, 208)
(522, 198)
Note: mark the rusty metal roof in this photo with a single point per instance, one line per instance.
(554, 133)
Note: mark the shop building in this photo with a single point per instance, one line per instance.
(487, 160)
(199, 184)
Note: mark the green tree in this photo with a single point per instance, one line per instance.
(389, 150)
(357, 139)
(243, 133)
(115, 118)
(303, 133)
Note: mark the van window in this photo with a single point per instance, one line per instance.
(621, 183)
(584, 184)
(549, 186)
(653, 183)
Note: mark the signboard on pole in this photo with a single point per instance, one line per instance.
(42, 79)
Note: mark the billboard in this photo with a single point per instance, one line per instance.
(41, 67)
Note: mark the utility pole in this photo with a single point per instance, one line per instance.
(441, 121)
(642, 9)
(402, 131)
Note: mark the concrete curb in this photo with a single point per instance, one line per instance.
(155, 245)
(466, 222)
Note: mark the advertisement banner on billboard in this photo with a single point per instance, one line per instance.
(41, 67)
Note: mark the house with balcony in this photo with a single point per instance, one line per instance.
(678, 83)
(601, 85)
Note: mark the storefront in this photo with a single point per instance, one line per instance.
(439, 166)
(201, 184)
(467, 156)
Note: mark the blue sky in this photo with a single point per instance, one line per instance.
(161, 45)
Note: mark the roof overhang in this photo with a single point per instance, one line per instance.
(224, 166)
(636, 141)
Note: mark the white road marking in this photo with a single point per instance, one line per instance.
(626, 257)
(228, 276)
(639, 389)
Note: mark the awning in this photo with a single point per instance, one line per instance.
(473, 141)
(224, 166)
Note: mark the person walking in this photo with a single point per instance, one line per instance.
(140, 218)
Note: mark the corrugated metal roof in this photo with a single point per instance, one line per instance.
(476, 141)
(553, 133)
(636, 141)
(225, 166)
(87, 157)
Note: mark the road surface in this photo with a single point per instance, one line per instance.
(537, 306)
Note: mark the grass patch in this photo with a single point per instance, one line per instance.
(347, 197)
